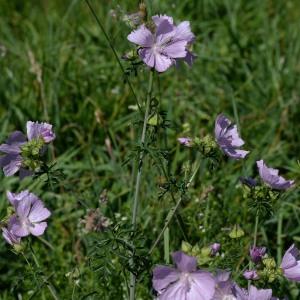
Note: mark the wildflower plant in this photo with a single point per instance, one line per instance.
(207, 241)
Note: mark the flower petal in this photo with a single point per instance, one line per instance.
(176, 291)
(183, 32)
(38, 228)
(147, 56)
(19, 229)
(38, 212)
(15, 162)
(163, 276)
(202, 286)
(184, 263)
(175, 49)
(162, 63)
(157, 19)
(142, 37)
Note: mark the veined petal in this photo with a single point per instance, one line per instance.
(184, 263)
(38, 229)
(162, 63)
(157, 19)
(38, 212)
(147, 55)
(13, 166)
(19, 229)
(183, 32)
(176, 291)
(175, 49)
(142, 37)
(202, 286)
(163, 276)
(17, 137)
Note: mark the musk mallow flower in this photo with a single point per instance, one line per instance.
(224, 286)
(185, 141)
(251, 275)
(290, 264)
(8, 234)
(20, 153)
(215, 248)
(30, 215)
(270, 177)
(183, 281)
(228, 139)
(161, 47)
(257, 253)
(252, 294)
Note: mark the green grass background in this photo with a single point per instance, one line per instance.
(248, 67)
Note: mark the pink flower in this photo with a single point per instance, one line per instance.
(160, 49)
(291, 264)
(184, 281)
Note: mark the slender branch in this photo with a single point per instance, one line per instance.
(45, 279)
(173, 211)
(279, 236)
(143, 138)
(114, 52)
(139, 174)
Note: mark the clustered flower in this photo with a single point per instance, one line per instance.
(163, 44)
(23, 153)
(185, 281)
(29, 217)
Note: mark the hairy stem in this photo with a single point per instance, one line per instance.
(173, 211)
(44, 278)
(139, 174)
(279, 236)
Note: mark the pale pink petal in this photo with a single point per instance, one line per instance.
(147, 56)
(202, 286)
(38, 212)
(162, 63)
(176, 291)
(163, 276)
(184, 263)
(142, 37)
(175, 49)
(38, 228)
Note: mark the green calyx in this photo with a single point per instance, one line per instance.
(207, 146)
(31, 154)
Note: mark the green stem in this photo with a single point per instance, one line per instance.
(173, 211)
(114, 52)
(139, 174)
(45, 279)
(167, 245)
(279, 236)
(255, 230)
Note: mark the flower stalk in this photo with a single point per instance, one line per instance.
(139, 174)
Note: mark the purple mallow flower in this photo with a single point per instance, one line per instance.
(13, 159)
(257, 253)
(160, 49)
(215, 248)
(184, 281)
(224, 287)
(29, 218)
(8, 234)
(252, 294)
(290, 264)
(270, 176)
(251, 275)
(37, 130)
(185, 141)
(228, 139)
